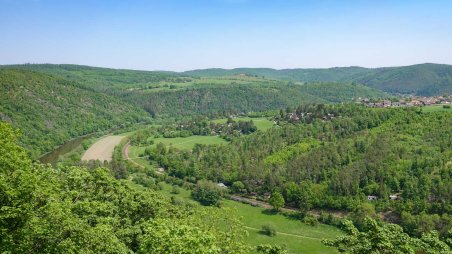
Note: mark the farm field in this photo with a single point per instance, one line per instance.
(261, 123)
(103, 149)
(297, 236)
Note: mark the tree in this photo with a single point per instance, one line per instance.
(238, 186)
(375, 238)
(271, 249)
(431, 244)
(207, 193)
(276, 200)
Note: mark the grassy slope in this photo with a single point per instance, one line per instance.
(51, 110)
(434, 108)
(261, 123)
(298, 237)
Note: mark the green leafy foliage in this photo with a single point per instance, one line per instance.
(75, 210)
(207, 193)
(276, 200)
(335, 156)
(386, 238)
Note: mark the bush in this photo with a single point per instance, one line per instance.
(175, 189)
(161, 185)
(310, 220)
(238, 186)
(143, 180)
(446, 106)
(268, 229)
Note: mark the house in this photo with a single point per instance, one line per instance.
(394, 197)
(370, 198)
(221, 185)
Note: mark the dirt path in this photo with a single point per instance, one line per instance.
(103, 149)
(125, 154)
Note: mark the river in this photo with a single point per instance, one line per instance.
(52, 157)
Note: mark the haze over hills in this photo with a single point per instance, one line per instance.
(421, 79)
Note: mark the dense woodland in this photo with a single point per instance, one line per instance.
(333, 157)
(76, 210)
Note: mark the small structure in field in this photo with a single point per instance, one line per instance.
(222, 185)
(394, 197)
(371, 198)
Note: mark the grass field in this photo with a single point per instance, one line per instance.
(434, 108)
(297, 236)
(189, 142)
(261, 123)
(181, 143)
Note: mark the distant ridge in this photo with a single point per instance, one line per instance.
(421, 79)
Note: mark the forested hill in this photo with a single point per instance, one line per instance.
(422, 79)
(51, 110)
(100, 79)
(176, 94)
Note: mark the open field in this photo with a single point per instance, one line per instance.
(297, 236)
(102, 149)
(434, 108)
(135, 152)
(189, 142)
(261, 123)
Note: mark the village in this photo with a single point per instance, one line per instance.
(406, 101)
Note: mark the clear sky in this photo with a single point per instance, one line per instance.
(191, 34)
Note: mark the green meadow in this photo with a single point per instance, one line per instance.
(261, 123)
(295, 235)
(435, 108)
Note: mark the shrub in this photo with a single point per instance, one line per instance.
(175, 189)
(161, 185)
(238, 186)
(268, 229)
(310, 220)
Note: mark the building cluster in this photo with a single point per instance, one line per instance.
(407, 101)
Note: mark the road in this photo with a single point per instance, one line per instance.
(103, 149)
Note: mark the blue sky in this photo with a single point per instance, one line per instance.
(192, 34)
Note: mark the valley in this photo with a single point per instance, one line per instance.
(227, 145)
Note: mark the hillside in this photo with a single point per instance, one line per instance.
(51, 110)
(305, 75)
(100, 79)
(333, 157)
(422, 79)
(178, 94)
(237, 98)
